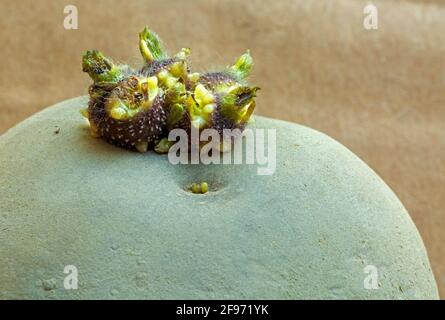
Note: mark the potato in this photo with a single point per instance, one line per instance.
(324, 225)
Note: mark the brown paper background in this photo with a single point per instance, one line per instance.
(381, 93)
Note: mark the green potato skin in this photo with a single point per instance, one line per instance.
(129, 225)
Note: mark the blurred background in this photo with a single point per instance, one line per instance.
(379, 92)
